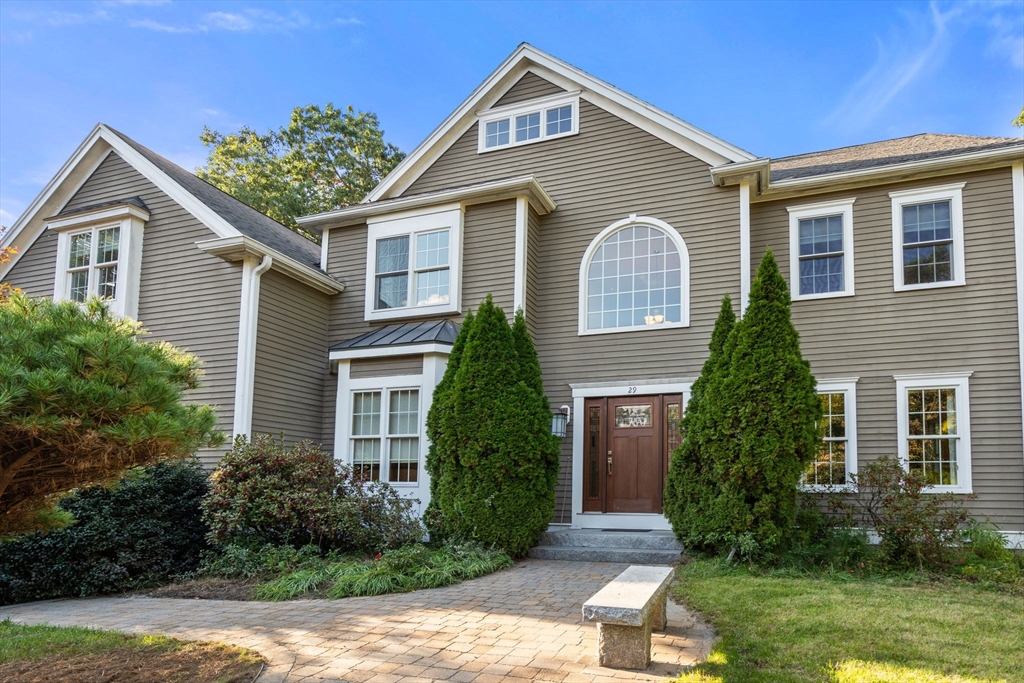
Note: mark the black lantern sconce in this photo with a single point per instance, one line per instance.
(560, 420)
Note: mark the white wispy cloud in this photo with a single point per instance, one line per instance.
(244, 21)
(153, 25)
(1007, 34)
(348, 21)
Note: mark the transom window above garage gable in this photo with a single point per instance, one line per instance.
(527, 122)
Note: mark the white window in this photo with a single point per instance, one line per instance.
(928, 237)
(934, 428)
(836, 463)
(635, 275)
(821, 250)
(99, 253)
(385, 436)
(413, 264)
(531, 121)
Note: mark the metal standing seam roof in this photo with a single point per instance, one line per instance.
(404, 334)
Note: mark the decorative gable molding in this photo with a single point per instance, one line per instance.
(527, 58)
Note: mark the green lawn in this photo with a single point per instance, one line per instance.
(35, 642)
(777, 629)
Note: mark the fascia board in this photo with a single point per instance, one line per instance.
(238, 247)
(673, 130)
(507, 188)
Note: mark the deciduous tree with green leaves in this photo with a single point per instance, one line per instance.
(494, 461)
(323, 159)
(82, 398)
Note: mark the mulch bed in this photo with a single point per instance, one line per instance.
(193, 663)
(207, 588)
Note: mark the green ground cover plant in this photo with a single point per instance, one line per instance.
(413, 567)
(786, 627)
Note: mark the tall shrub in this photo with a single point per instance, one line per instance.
(765, 410)
(691, 486)
(498, 458)
(142, 530)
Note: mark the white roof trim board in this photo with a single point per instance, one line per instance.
(663, 125)
(33, 219)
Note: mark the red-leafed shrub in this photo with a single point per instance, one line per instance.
(267, 493)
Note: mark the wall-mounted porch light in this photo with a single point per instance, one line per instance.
(559, 421)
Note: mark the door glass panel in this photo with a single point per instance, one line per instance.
(633, 416)
(594, 453)
(673, 413)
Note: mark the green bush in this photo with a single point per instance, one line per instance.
(265, 493)
(691, 487)
(495, 460)
(825, 542)
(245, 562)
(143, 530)
(413, 567)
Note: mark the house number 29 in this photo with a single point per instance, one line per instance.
(631, 390)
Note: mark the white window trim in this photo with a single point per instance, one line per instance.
(684, 280)
(954, 193)
(385, 385)
(411, 223)
(131, 220)
(842, 207)
(848, 386)
(958, 381)
(510, 112)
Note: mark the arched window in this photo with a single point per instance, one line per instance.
(635, 275)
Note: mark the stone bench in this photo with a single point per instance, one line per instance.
(626, 611)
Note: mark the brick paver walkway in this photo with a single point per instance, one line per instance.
(516, 625)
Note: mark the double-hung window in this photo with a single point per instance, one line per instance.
(928, 239)
(530, 121)
(385, 434)
(934, 428)
(821, 249)
(99, 253)
(412, 265)
(836, 462)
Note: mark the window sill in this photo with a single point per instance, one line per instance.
(818, 488)
(635, 328)
(930, 285)
(411, 312)
(824, 295)
(959, 490)
(513, 145)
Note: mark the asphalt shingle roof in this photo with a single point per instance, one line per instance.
(134, 201)
(884, 153)
(402, 334)
(239, 215)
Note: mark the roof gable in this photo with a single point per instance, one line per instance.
(528, 59)
(220, 212)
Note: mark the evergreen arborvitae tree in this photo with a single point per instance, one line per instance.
(691, 487)
(442, 454)
(495, 457)
(765, 409)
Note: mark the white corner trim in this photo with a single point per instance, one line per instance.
(522, 225)
(245, 365)
(952, 192)
(325, 238)
(684, 280)
(842, 207)
(1017, 173)
(384, 351)
(703, 145)
(745, 256)
(239, 247)
(539, 106)
(960, 382)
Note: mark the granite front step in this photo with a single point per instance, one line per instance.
(604, 554)
(634, 540)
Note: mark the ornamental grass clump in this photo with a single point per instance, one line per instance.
(493, 461)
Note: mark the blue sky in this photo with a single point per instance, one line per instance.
(772, 78)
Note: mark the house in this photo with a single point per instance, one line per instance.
(617, 228)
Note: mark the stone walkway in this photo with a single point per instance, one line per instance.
(520, 624)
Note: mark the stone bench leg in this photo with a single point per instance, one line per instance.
(659, 612)
(624, 647)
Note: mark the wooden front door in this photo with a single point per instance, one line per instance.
(628, 442)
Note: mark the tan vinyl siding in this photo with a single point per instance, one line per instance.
(610, 170)
(532, 272)
(489, 255)
(186, 297)
(389, 366)
(879, 333)
(529, 87)
(35, 270)
(291, 359)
